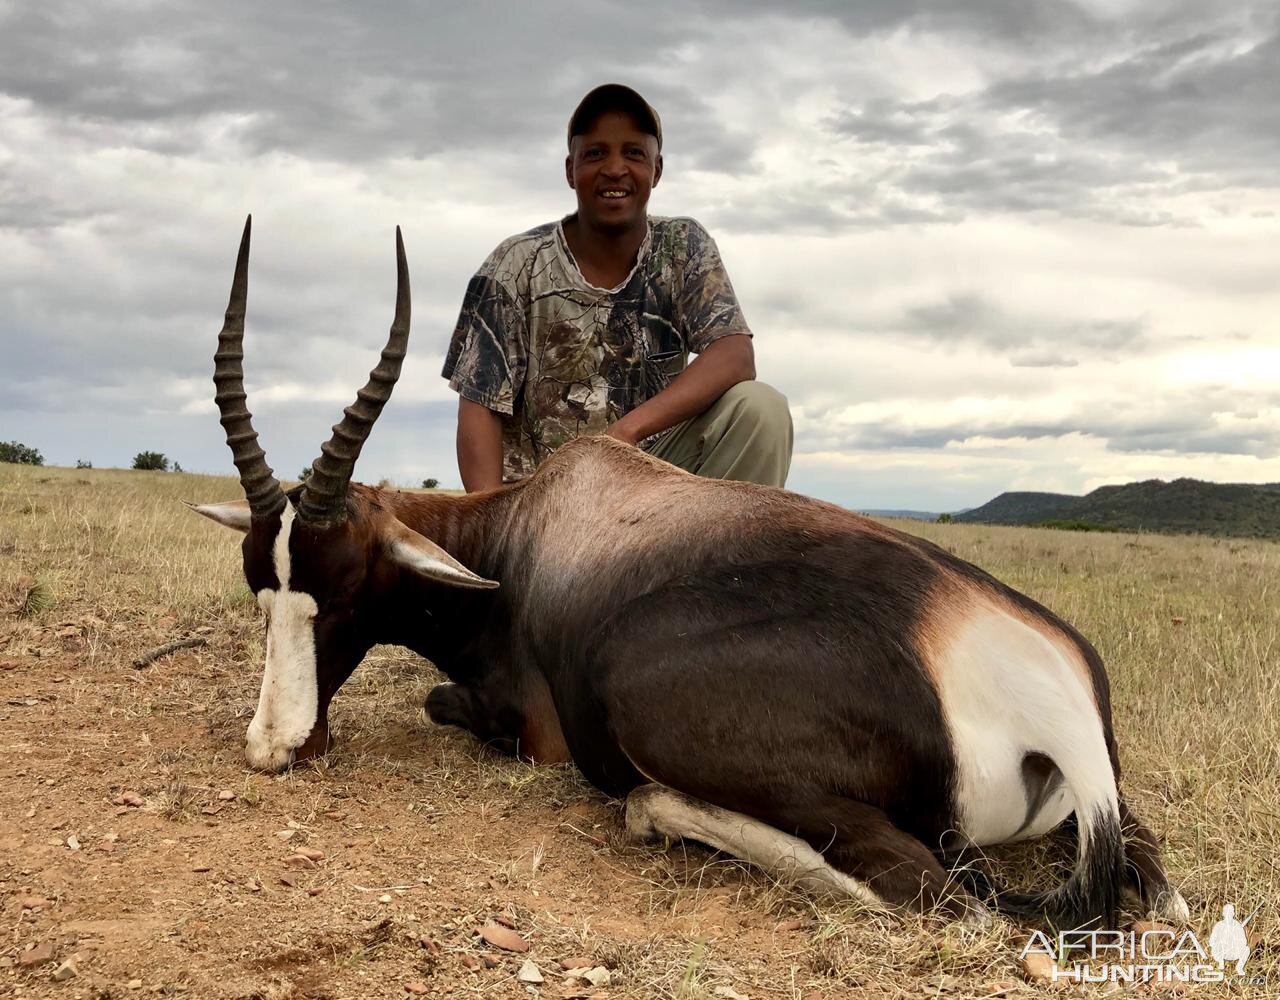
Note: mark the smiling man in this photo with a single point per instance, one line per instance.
(586, 325)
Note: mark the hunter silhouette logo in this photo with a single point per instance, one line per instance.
(1228, 942)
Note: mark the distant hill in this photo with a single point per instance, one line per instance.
(1184, 506)
(909, 515)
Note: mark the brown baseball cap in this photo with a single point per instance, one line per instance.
(614, 97)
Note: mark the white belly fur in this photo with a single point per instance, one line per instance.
(1008, 691)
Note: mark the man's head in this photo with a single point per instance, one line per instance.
(615, 157)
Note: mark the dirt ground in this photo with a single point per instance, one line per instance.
(140, 856)
(164, 866)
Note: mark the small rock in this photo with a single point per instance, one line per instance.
(599, 976)
(504, 938)
(299, 861)
(315, 890)
(210, 810)
(576, 962)
(41, 953)
(133, 984)
(311, 853)
(490, 961)
(430, 944)
(506, 921)
(416, 987)
(529, 973)
(1000, 989)
(787, 926)
(384, 898)
(130, 799)
(226, 795)
(1039, 967)
(253, 885)
(30, 813)
(107, 846)
(335, 815)
(6, 962)
(289, 880)
(470, 961)
(33, 902)
(729, 993)
(67, 970)
(199, 868)
(73, 842)
(286, 834)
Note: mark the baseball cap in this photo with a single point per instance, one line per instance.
(614, 97)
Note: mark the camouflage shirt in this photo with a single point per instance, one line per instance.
(559, 358)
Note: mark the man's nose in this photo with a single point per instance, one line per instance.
(614, 166)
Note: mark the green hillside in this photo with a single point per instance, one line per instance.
(1184, 506)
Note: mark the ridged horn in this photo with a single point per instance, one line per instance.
(266, 498)
(324, 499)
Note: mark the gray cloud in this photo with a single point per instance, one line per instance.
(1128, 116)
(1178, 422)
(333, 81)
(972, 318)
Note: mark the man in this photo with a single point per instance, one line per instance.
(585, 326)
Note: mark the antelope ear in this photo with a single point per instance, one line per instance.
(420, 554)
(232, 514)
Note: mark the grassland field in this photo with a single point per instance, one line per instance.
(138, 850)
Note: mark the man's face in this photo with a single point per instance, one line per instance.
(613, 166)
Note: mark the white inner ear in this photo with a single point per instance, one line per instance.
(232, 514)
(418, 553)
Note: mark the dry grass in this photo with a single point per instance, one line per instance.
(456, 835)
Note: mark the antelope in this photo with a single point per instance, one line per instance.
(837, 701)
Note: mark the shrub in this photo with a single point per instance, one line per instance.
(305, 474)
(1072, 524)
(944, 519)
(430, 484)
(151, 461)
(82, 464)
(15, 451)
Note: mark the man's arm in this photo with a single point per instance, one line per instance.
(479, 446)
(724, 364)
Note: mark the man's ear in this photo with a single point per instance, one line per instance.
(568, 168)
(657, 170)
(233, 514)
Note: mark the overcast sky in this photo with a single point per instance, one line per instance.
(985, 245)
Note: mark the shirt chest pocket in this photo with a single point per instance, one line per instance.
(665, 355)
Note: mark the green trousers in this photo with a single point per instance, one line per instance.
(746, 434)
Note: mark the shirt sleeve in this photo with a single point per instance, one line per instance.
(706, 304)
(487, 354)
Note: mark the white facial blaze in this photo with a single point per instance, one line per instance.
(289, 700)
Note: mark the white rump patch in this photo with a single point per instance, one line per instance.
(655, 810)
(288, 701)
(1008, 691)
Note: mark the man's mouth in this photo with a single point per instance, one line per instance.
(614, 194)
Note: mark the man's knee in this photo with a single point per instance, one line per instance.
(759, 403)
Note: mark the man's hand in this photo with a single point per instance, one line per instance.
(721, 366)
(479, 446)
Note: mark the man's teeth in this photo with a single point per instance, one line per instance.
(613, 194)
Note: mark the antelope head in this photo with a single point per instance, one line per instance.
(316, 556)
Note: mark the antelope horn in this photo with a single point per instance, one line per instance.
(324, 499)
(266, 498)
